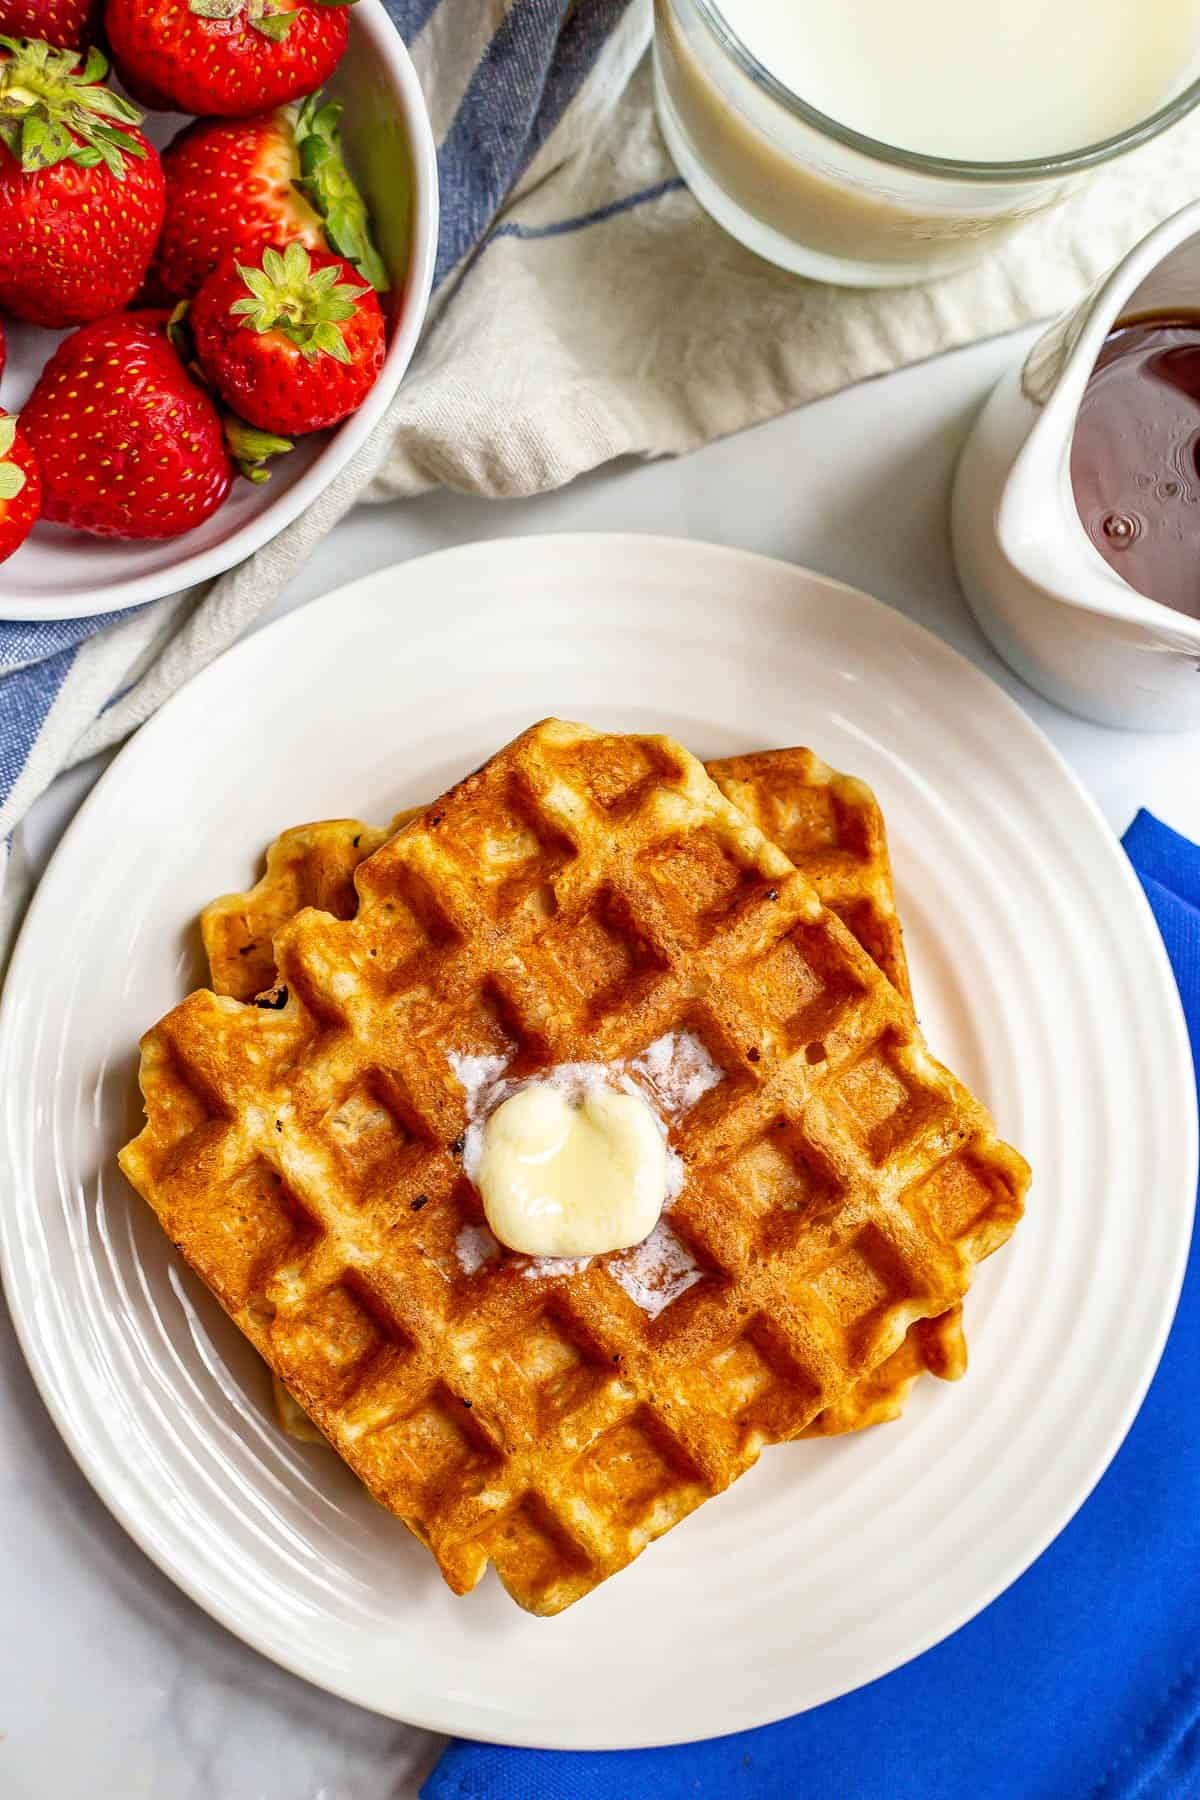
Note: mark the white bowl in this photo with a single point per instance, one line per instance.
(62, 574)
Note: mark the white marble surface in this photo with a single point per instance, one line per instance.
(112, 1685)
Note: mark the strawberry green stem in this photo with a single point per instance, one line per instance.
(327, 185)
(307, 305)
(250, 448)
(54, 108)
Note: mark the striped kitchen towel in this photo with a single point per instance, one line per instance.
(584, 308)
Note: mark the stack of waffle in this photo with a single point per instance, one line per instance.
(583, 897)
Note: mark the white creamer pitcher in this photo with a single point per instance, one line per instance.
(1038, 586)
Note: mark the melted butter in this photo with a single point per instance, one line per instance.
(565, 1178)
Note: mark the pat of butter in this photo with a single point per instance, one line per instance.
(560, 1178)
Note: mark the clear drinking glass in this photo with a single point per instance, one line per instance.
(823, 200)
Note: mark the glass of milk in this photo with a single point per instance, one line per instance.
(871, 142)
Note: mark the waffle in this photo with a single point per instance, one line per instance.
(828, 824)
(310, 865)
(831, 827)
(579, 897)
(935, 1346)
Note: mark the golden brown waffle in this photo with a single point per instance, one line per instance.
(828, 824)
(577, 898)
(310, 865)
(831, 827)
(875, 1399)
(935, 1346)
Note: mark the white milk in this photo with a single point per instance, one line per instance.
(977, 80)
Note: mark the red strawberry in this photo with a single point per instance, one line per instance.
(81, 190)
(67, 24)
(20, 487)
(229, 57)
(240, 184)
(291, 340)
(129, 445)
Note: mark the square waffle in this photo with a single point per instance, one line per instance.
(831, 827)
(828, 824)
(579, 897)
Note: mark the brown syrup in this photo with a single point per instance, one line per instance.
(1135, 458)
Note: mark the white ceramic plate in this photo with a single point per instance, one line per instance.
(62, 574)
(1039, 976)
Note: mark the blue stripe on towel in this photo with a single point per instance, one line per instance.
(522, 84)
(410, 16)
(582, 38)
(29, 640)
(597, 216)
(26, 696)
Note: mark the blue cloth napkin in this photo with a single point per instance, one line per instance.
(1082, 1680)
